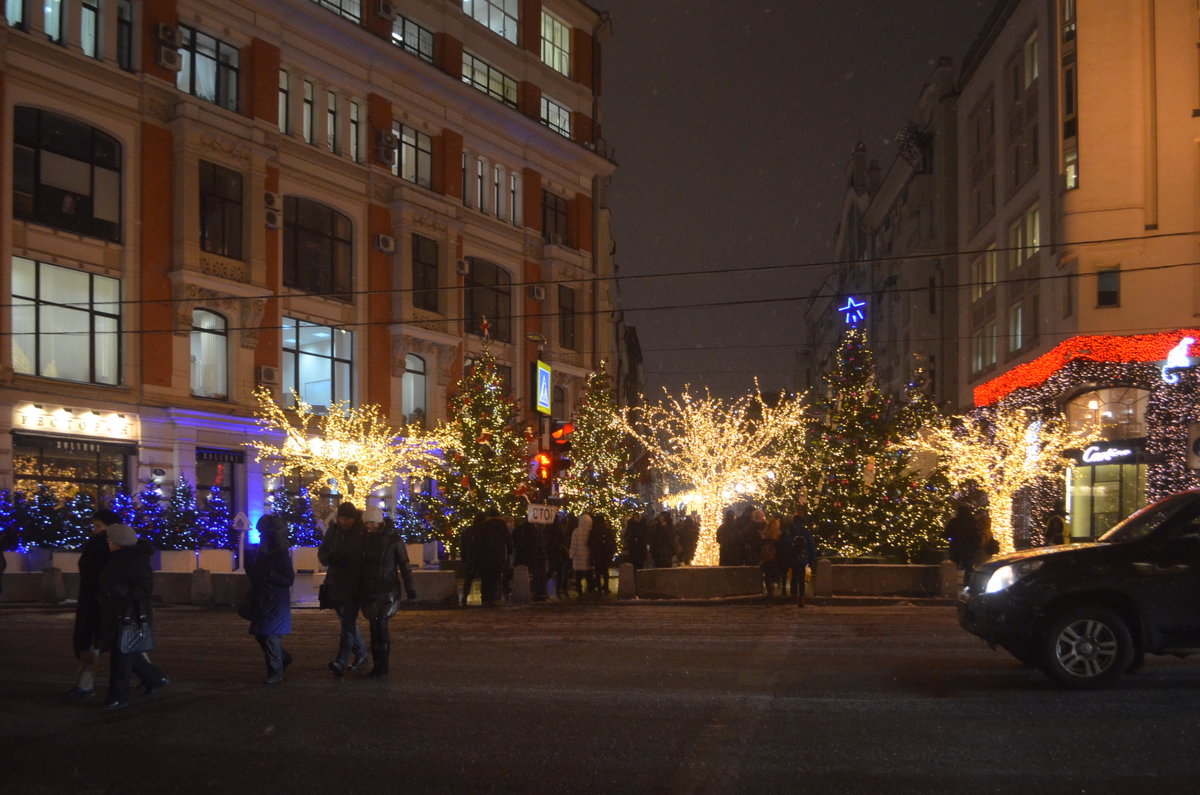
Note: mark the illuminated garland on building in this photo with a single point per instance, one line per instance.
(721, 450)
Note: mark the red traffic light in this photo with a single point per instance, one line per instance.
(561, 431)
(543, 463)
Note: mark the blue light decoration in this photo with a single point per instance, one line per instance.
(854, 310)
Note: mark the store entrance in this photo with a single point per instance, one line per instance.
(1099, 496)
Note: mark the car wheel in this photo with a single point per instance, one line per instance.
(1086, 646)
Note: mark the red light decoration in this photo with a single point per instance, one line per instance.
(1088, 347)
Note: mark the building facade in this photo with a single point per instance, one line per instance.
(321, 197)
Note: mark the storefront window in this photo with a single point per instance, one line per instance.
(1120, 411)
(1102, 495)
(70, 467)
(218, 469)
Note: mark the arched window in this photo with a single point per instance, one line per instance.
(413, 389)
(66, 174)
(489, 295)
(317, 255)
(210, 355)
(1121, 411)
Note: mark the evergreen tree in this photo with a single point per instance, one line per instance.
(40, 518)
(214, 524)
(12, 508)
(124, 506)
(75, 521)
(150, 519)
(297, 515)
(600, 477)
(182, 525)
(487, 457)
(863, 494)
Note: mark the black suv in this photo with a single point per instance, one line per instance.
(1087, 613)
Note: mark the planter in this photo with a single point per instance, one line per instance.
(216, 560)
(66, 561)
(416, 555)
(305, 559)
(699, 582)
(174, 560)
(38, 559)
(15, 562)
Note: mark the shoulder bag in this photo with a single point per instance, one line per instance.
(135, 634)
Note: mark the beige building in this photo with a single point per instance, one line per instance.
(326, 196)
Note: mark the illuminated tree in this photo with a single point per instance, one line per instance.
(40, 518)
(352, 447)
(214, 522)
(75, 521)
(150, 519)
(182, 519)
(297, 516)
(1001, 450)
(719, 449)
(600, 478)
(486, 454)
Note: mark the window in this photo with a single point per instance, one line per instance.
(567, 319)
(981, 157)
(556, 116)
(309, 112)
(1108, 287)
(53, 19)
(497, 195)
(66, 174)
(558, 403)
(554, 218)
(217, 472)
(491, 81)
(355, 132)
(489, 295)
(220, 210)
(284, 88)
(1030, 60)
(209, 68)
(425, 273)
(317, 254)
(331, 121)
(1016, 338)
(68, 323)
(89, 28)
(71, 467)
(413, 390)
(350, 9)
(1068, 18)
(556, 43)
(1024, 238)
(983, 347)
(499, 16)
(415, 163)
(125, 34)
(317, 363)
(14, 13)
(210, 355)
(412, 38)
(983, 273)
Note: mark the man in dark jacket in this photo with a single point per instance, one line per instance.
(495, 550)
(271, 577)
(86, 637)
(602, 544)
(341, 551)
(468, 550)
(801, 550)
(125, 585)
(383, 564)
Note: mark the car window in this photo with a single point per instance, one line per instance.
(1182, 510)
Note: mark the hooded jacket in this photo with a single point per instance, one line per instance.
(125, 586)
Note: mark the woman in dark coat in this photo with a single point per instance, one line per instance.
(271, 577)
(379, 584)
(126, 583)
(341, 551)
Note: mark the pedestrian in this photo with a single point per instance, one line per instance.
(378, 589)
(271, 577)
(125, 585)
(1056, 525)
(636, 533)
(689, 537)
(525, 537)
(664, 544)
(965, 536)
(803, 552)
(468, 551)
(495, 557)
(581, 556)
(558, 557)
(602, 544)
(768, 552)
(86, 636)
(727, 542)
(341, 552)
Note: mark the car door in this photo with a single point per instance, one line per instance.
(1169, 572)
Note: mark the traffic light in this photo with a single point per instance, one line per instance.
(543, 467)
(560, 438)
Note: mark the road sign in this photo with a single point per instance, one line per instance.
(541, 514)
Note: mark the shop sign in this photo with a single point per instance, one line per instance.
(1106, 454)
(49, 418)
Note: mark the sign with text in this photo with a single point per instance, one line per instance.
(541, 387)
(540, 514)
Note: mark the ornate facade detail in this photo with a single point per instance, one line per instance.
(423, 222)
(381, 191)
(223, 146)
(434, 353)
(252, 315)
(161, 108)
(225, 268)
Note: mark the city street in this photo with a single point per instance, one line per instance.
(589, 698)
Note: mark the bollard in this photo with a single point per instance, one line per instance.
(626, 581)
(201, 592)
(823, 577)
(53, 588)
(520, 594)
(949, 579)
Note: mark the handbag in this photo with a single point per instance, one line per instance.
(323, 600)
(244, 608)
(135, 634)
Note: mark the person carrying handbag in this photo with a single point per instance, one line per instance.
(126, 583)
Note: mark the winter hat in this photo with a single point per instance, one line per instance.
(121, 535)
(373, 515)
(347, 509)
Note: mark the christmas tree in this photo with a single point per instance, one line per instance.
(75, 521)
(124, 506)
(297, 515)
(182, 525)
(486, 457)
(150, 520)
(863, 494)
(419, 518)
(214, 524)
(40, 519)
(600, 478)
(12, 508)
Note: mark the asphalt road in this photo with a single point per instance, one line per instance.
(594, 698)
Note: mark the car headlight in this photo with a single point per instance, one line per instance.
(1006, 575)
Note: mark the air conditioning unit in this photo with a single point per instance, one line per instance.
(386, 10)
(386, 156)
(537, 292)
(168, 58)
(266, 375)
(272, 219)
(387, 140)
(462, 267)
(385, 243)
(168, 36)
(273, 201)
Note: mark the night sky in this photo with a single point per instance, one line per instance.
(732, 122)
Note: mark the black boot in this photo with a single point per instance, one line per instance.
(379, 654)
